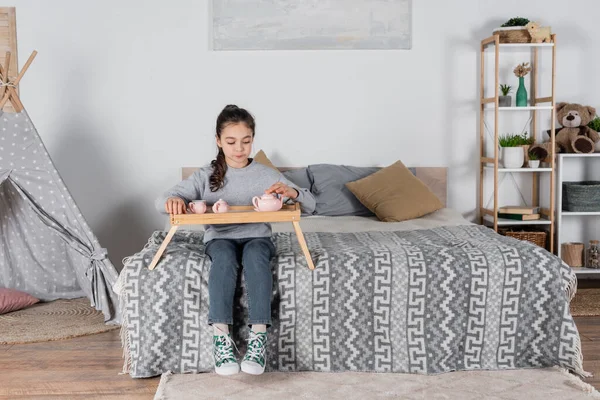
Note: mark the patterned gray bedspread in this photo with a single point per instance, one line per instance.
(423, 301)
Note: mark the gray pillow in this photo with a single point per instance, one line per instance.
(333, 197)
(299, 177)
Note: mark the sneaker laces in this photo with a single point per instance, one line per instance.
(255, 350)
(225, 351)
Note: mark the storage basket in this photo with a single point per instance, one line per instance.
(572, 254)
(513, 34)
(535, 237)
(581, 196)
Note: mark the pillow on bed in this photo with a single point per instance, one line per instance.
(299, 177)
(332, 196)
(395, 194)
(262, 158)
(13, 300)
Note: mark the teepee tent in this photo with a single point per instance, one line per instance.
(46, 247)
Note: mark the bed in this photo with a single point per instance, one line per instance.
(429, 295)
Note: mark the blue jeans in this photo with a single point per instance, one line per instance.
(227, 255)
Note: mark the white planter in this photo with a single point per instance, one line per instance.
(598, 147)
(534, 163)
(513, 157)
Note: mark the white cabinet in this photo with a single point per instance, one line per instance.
(577, 226)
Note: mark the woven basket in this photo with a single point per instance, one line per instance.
(513, 34)
(581, 196)
(535, 237)
(572, 254)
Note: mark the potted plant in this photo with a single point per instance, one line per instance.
(595, 125)
(534, 161)
(512, 154)
(526, 142)
(505, 100)
(514, 31)
(520, 71)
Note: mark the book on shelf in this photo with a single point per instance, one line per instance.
(519, 210)
(519, 217)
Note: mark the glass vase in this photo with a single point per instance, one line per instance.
(593, 255)
(521, 93)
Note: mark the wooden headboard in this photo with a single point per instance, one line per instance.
(434, 177)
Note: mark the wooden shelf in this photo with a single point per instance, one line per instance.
(536, 104)
(504, 221)
(525, 45)
(528, 108)
(524, 169)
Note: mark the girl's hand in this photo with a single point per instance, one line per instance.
(175, 205)
(282, 189)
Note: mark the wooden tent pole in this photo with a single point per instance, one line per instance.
(11, 92)
(5, 76)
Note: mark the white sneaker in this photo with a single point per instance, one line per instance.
(256, 356)
(225, 362)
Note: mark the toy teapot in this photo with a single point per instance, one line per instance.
(220, 206)
(267, 202)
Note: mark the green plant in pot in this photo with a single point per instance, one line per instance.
(512, 149)
(505, 100)
(517, 21)
(595, 125)
(534, 161)
(513, 31)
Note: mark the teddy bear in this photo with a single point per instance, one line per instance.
(538, 34)
(574, 136)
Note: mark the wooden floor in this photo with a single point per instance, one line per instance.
(87, 367)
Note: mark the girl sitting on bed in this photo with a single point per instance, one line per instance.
(236, 178)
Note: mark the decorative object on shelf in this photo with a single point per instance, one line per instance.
(520, 217)
(595, 125)
(534, 161)
(512, 156)
(520, 71)
(519, 210)
(572, 254)
(538, 33)
(505, 100)
(535, 237)
(574, 136)
(513, 31)
(581, 196)
(513, 149)
(592, 256)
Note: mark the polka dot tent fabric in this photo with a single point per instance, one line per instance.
(46, 247)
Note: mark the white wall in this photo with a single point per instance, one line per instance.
(125, 93)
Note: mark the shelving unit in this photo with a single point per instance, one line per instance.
(489, 216)
(561, 215)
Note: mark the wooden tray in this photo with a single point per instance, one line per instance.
(237, 215)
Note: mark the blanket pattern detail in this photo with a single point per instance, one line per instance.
(425, 301)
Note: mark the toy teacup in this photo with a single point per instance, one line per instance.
(220, 206)
(197, 206)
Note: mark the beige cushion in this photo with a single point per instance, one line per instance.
(262, 158)
(395, 194)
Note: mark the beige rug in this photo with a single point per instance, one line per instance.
(586, 303)
(529, 384)
(59, 319)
